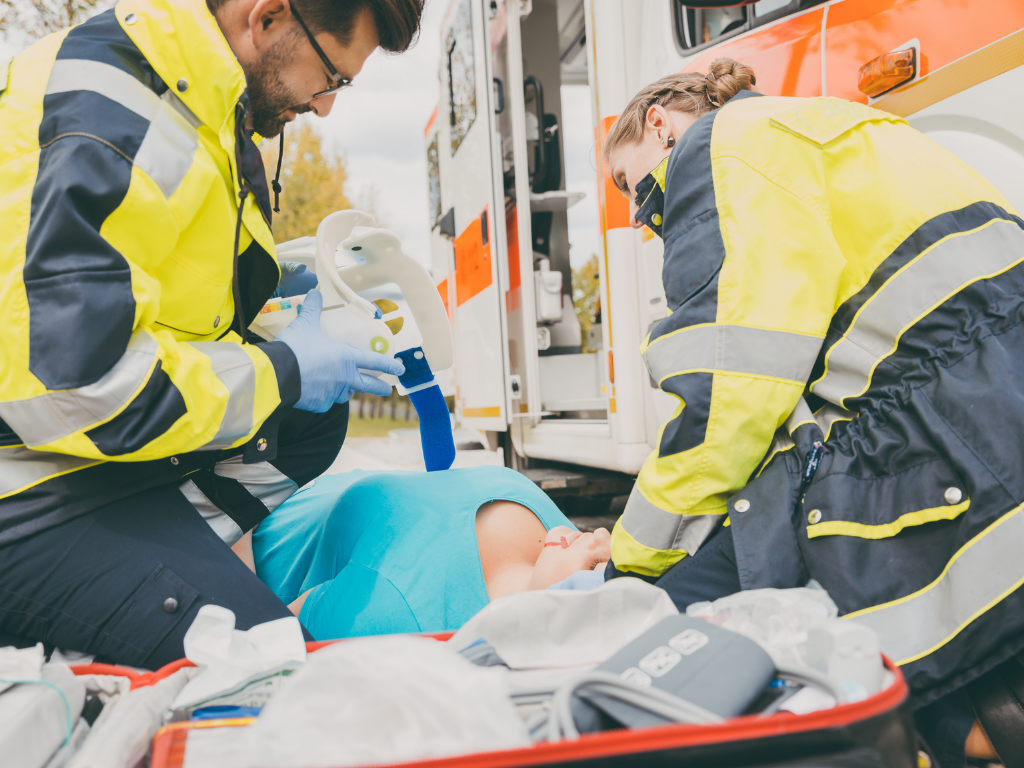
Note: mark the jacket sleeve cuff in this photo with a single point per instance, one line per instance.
(286, 367)
(263, 445)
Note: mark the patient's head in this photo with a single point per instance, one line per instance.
(517, 553)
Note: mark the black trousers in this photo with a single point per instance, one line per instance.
(125, 581)
(711, 573)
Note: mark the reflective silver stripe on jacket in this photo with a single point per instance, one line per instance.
(45, 418)
(262, 479)
(829, 415)
(733, 349)
(227, 530)
(653, 527)
(983, 572)
(921, 286)
(21, 467)
(170, 142)
(236, 371)
(800, 415)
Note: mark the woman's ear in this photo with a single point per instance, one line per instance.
(657, 123)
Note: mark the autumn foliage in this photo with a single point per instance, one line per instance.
(312, 181)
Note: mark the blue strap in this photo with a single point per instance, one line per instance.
(417, 369)
(435, 423)
(435, 428)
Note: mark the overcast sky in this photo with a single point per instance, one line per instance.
(378, 124)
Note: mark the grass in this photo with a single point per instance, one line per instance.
(377, 427)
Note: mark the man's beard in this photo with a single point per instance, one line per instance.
(269, 97)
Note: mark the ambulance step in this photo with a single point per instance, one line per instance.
(576, 481)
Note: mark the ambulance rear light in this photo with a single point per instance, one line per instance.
(887, 71)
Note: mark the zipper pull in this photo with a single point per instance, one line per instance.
(814, 457)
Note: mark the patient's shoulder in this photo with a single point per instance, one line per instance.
(510, 538)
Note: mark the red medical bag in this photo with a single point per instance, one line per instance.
(876, 732)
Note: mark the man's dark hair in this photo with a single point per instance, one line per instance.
(397, 21)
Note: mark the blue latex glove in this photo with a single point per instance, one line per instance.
(296, 280)
(329, 370)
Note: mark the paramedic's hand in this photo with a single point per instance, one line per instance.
(329, 370)
(296, 280)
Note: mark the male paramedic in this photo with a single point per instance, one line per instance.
(141, 433)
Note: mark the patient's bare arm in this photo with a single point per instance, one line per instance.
(511, 539)
(243, 548)
(514, 556)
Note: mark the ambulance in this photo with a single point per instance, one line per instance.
(528, 91)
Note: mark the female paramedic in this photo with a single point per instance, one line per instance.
(366, 553)
(845, 341)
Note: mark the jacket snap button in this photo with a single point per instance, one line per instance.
(216, 321)
(815, 517)
(170, 605)
(953, 495)
(174, 460)
(741, 505)
(182, 85)
(131, 18)
(261, 444)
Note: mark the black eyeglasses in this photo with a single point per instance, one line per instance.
(339, 81)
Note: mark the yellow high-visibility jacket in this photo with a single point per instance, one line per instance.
(123, 154)
(836, 278)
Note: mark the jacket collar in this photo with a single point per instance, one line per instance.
(182, 41)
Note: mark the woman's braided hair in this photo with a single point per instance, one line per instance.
(689, 92)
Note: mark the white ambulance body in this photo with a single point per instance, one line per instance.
(501, 212)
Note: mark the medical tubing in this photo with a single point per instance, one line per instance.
(671, 708)
(807, 676)
(58, 689)
(652, 700)
(560, 723)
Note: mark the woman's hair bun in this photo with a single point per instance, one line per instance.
(690, 92)
(726, 78)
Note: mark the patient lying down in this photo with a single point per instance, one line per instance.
(381, 552)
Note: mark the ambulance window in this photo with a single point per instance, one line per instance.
(764, 7)
(461, 74)
(769, 10)
(434, 180)
(700, 27)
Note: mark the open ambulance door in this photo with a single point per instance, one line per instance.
(473, 218)
(560, 381)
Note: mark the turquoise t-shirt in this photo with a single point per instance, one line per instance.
(388, 551)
